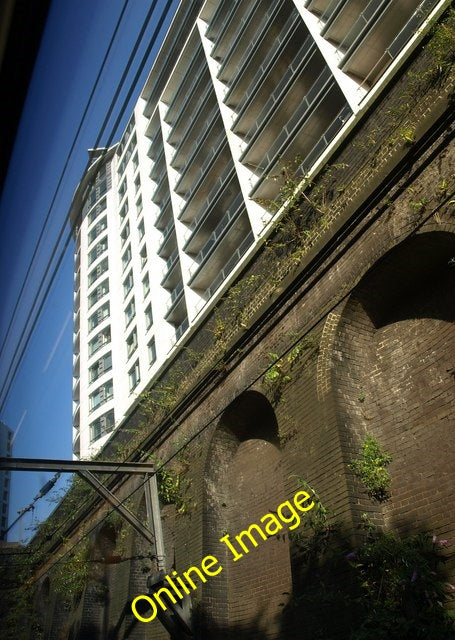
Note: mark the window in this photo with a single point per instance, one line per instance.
(128, 284)
(122, 189)
(131, 343)
(97, 250)
(100, 207)
(98, 271)
(95, 191)
(103, 424)
(125, 233)
(134, 376)
(101, 338)
(137, 184)
(126, 258)
(100, 314)
(141, 230)
(101, 395)
(139, 205)
(152, 351)
(135, 162)
(148, 316)
(101, 366)
(130, 312)
(123, 211)
(101, 290)
(97, 229)
(143, 256)
(146, 285)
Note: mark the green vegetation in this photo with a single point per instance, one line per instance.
(371, 469)
(389, 587)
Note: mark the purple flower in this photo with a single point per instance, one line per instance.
(434, 539)
(352, 555)
(414, 575)
(443, 543)
(451, 587)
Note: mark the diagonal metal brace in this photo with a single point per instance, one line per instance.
(118, 505)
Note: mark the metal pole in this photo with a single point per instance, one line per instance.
(152, 505)
(118, 505)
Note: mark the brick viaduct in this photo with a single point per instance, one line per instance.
(372, 299)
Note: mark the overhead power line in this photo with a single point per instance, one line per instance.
(13, 367)
(62, 173)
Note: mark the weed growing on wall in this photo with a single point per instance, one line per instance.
(389, 587)
(371, 469)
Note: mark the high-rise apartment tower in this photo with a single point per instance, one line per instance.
(165, 219)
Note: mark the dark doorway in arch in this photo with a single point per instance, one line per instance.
(394, 377)
(244, 481)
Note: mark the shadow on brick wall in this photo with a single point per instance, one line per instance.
(389, 587)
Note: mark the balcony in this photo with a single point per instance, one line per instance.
(165, 213)
(222, 243)
(169, 272)
(76, 390)
(159, 166)
(76, 413)
(161, 190)
(186, 88)
(305, 75)
(77, 444)
(325, 139)
(77, 280)
(201, 187)
(248, 29)
(77, 343)
(175, 309)
(197, 119)
(228, 202)
(222, 15)
(260, 57)
(200, 90)
(210, 135)
(289, 71)
(227, 28)
(167, 232)
(229, 266)
(219, 184)
(180, 330)
(76, 366)
(378, 35)
(307, 127)
(156, 145)
(211, 157)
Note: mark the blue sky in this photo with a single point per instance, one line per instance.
(38, 405)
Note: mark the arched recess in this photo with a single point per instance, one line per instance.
(394, 377)
(97, 604)
(44, 607)
(243, 482)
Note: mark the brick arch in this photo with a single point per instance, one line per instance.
(393, 376)
(243, 481)
(97, 605)
(43, 605)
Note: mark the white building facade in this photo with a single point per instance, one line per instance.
(165, 219)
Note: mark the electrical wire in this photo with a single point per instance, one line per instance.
(41, 493)
(122, 110)
(12, 370)
(62, 173)
(221, 411)
(207, 424)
